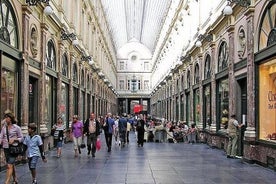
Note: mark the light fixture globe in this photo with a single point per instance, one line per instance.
(75, 42)
(48, 10)
(198, 43)
(91, 62)
(227, 10)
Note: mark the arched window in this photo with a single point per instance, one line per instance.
(51, 55)
(197, 77)
(82, 78)
(75, 73)
(182, 82)
(223, 57)
(64, 66)
(267, 35)
(207, 67)
(188, 79)
(88, 82)
(8, 29)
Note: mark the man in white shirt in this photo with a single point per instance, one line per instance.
(92, 131)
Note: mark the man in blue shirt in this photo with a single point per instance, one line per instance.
(122, 129)
(33, 143)
(108, 127)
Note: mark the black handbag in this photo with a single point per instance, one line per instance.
(17, 149)
(82, 144)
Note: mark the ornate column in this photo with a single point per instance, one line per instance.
(250, 133)
(26, 11)
(59, 75)
(201, 64)
(213, 88)
(42, 99)
(231, 76)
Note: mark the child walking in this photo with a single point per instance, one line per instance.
(33, 143)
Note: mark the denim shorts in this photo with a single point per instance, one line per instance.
(33, 161)
(10, 159)
(59, 144)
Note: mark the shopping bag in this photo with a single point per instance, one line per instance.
(98, 144)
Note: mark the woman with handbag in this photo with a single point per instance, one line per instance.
(58, 135)
(77, 131)
(10, 135)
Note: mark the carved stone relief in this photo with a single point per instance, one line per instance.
(241, 43)
(33, 42)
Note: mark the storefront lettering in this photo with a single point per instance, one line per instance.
(271, 98)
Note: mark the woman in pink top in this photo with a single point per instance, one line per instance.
(15, 136)
(77, 131)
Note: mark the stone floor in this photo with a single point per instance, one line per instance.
(155, 163)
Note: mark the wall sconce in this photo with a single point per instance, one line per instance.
(87, 58)
(106, 81)
(47, 10)
(201, 38)
(65, 36)
(228, 9)
(100, 74)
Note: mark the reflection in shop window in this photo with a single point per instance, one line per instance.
(223, 99)
(267, 101)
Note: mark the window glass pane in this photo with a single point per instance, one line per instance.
(267, 101)
(51, 55)
(8, 31)
(64, 65)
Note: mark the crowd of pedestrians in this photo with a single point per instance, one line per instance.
(113, 126)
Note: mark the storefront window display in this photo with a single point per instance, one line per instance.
(223, 103)
(207, 106)
(64, 104)
(267, 101)
(50, 102)
(8, 90)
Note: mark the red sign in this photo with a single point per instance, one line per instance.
(137, 108)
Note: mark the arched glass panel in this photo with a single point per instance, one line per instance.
(88, 82)
(8, 29)
(51, 55)
(82, 78)
(75, 73)
(267, 34)
(207, 68)
(188, 79)
(64, 65)
(223, 57)
(197, 74)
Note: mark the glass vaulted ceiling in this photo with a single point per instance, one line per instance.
(140, 20)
